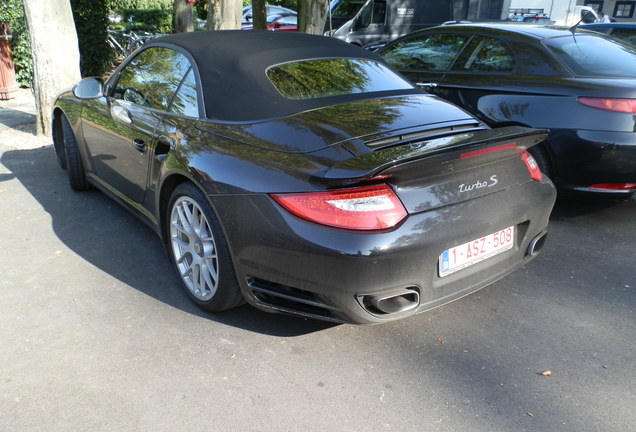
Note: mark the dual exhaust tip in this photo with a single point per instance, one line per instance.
(395, 302)
(536, 244)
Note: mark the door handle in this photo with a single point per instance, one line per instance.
(426, 86)
(121, 114)
(139, 145)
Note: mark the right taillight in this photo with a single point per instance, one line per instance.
(617, 105)
(533, 166)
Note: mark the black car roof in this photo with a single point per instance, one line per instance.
(609, 25)
(232, 68)
(535, 31)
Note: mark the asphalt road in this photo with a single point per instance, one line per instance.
(96, 335)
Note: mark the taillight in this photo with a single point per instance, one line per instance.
(533, 166)
(488, 150)
(618, 105)
(627, 187)
(368, 208)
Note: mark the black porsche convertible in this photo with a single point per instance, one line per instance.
(302, 175)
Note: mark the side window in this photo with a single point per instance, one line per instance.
(185, 101)
(627, 35)
(151, 78)
(485, 55)
(431, 52)
(375, 14)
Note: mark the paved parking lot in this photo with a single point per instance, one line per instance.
(95, 334)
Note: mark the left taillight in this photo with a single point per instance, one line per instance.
(533, 166)
(367, 208)
(617, 105)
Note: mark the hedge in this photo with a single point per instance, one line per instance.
(12, 11)
(91, 23)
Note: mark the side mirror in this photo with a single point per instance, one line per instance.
(89, 88)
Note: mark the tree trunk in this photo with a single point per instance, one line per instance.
(259, 15)
(56, 60)
(312, 15)
(183, 18)
(224, 14)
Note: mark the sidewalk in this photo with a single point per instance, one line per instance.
(17, 122)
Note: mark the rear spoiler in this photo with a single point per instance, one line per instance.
(373, 163)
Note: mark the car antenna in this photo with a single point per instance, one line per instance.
(573, 28)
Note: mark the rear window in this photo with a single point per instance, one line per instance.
(314, 79)
(588, 55)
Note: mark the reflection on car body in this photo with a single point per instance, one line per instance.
(340, 192)
(622, 31)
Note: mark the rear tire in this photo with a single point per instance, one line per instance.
(199, 251)
(74, 165)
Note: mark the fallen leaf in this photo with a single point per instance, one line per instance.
(441, 341)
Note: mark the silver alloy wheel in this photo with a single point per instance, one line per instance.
(194, 248)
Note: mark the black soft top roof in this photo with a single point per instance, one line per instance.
(232, 67)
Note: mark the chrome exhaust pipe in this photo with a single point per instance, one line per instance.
(536, 244)
(396, 302)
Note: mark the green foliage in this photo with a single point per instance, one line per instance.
(150, 20)
(153, 16)
(201, 9)
(119, 5)
(291, 4)
(91, 23)
(12, 11)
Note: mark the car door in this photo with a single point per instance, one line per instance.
(119, 129)
(174, 128)
(485, 66)
(425, 57)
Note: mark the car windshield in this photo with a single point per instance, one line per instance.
(313, 79)
(588, 55)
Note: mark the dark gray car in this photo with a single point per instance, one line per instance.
(303, 175)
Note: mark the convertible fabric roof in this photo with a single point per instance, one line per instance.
(232, 67)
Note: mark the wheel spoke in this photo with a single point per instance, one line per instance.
(195, 220)
(181, 242)
(212, 272)
(183, 258)
(187, 269)
(180, 228)
(185, 216)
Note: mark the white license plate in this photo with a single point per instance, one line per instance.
(467, 254)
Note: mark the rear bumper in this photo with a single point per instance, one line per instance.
(584, 158)
(287, 265)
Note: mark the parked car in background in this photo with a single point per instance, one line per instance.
(277, 22)
(623, 31)
(339, 192)
(269, 10)
(579, 84)
(341, 11)
(284, 23)
(532, 19)
(384, 20)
